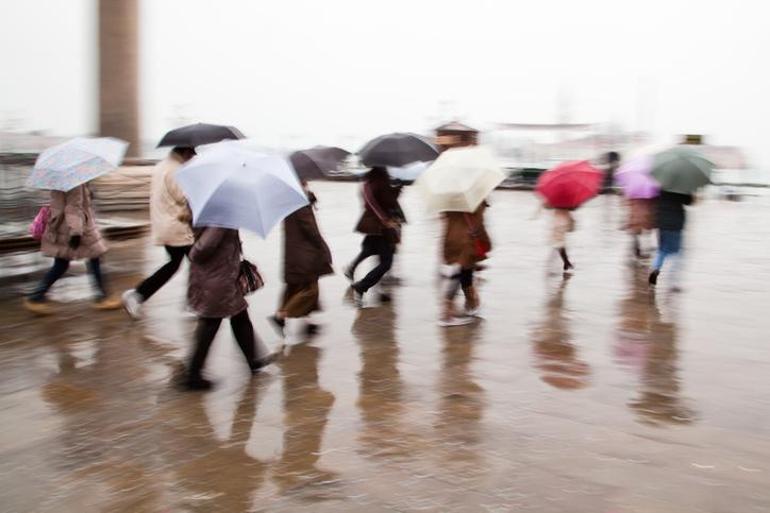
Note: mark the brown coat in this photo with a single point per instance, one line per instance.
(72, 214)
(215, 262)
(459, 244)
(382, 205)
(305, 253)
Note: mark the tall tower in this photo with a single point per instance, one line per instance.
(119, 71)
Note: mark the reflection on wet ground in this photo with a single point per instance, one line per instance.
(590, 394)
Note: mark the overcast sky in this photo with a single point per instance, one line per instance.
(339, 71)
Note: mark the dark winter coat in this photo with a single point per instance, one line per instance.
(215, 261)
(671, 215)
(380, 205)
(306, 255)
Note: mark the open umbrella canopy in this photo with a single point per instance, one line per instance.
(233, 187)
(635, 180)
(396, 150)
(681, 169)
(198, 134)
(569, 184)
(460, 179)
(75, 162)
(314, 163)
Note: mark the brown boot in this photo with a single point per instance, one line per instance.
(108, 303)
(38, 307)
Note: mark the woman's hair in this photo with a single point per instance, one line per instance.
(377, 174)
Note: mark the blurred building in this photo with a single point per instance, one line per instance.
(119, 71)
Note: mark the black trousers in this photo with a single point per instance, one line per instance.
(384, 249)
(159, 278)
(206, 330)
(57, 270)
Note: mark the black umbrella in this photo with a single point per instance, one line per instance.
(397, 150)
(199, 133)
(314, 163)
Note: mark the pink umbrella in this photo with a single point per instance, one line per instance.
(635, 179)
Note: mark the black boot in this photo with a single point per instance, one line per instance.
(653, 279)
(197, 383)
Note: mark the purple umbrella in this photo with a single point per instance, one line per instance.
(635, 179)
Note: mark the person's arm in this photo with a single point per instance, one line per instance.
(309, 228)
(206, 244)
(174, 191)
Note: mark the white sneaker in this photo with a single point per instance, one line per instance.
(474, 312)
(455, 321)
(132, 303)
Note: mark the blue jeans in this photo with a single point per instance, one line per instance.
(669, 244)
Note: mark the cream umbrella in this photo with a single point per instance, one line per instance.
(460, 179)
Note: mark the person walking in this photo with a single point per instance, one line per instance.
(381, 225)
(170, 222)
(671, 219)
(71, 234)
(465, 244)
(306, 258)
(213, 294)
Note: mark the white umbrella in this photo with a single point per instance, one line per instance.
(460, 179)
(75, 162)
(232, 186)
(409, 172)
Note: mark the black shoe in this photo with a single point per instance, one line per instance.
(653, 279)
(385, 297)
(312, 329)
(278, 324)
(198, 383)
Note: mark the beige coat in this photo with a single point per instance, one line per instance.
(168, 205)
(72, 214)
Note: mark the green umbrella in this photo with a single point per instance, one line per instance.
(681, 170)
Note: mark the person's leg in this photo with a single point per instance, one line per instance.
(153, 283)
(385, 252)
(247, 338)
(675, 254)
(448, 314)
(368, 249)
(243, 331)
(205, 332)
(450, 292)
(472, 302)
(565, 258)
(57, 270)
(95, 269)
(664, 250)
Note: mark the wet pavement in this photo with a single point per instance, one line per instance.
(585, 395)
